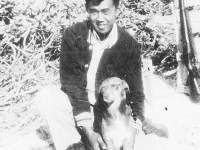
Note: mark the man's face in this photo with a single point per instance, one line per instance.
(103, 16)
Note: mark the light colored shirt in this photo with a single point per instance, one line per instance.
(98, 47)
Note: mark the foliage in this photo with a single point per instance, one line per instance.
(145, 7)
(158, 40)
(30, 36)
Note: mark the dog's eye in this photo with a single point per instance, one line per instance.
(126, 89)
(112, 85)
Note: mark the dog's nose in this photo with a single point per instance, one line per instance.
(106, 96)
(117, 87)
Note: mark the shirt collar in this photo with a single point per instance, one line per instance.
(112, 36)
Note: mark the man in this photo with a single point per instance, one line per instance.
(91, 51)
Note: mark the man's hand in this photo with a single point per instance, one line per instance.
(94, 138)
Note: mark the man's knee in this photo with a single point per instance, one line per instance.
(44, 96)
(51, 97)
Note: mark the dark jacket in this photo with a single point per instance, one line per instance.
(122, 60)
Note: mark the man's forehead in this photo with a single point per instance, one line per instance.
(101, 4)
(95, 2)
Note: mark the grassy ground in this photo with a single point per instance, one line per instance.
(20, 119)
(167, 107)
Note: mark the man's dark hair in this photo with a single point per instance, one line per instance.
(97, 2)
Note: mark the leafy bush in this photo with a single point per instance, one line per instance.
(30, 36)
(158, 40)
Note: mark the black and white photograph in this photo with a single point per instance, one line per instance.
(99, 75)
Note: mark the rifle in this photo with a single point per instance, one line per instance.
(186, 47)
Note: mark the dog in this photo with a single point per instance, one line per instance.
(117, 122)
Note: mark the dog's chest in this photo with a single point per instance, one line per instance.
(115, 132)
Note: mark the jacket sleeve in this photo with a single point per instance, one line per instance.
(73, 75)
(136, 96)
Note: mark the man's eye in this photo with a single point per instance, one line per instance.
(106, 11)
(93, 11)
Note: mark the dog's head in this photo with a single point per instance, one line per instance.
(113, 89)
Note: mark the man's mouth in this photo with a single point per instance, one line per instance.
(101, 26)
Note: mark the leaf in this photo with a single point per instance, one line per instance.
(44, 23)
(25, 23)
(8, 6)
(49, 28)
(52, 11)
(17, 9)
(41, 5)
(22, 29)
(36, 24)
(35, 9)
(2, 27)
(2, 23)
(17, 39)
(39, 16)
(33, 20)
(1, 10)
(25, 33)
(54, 19)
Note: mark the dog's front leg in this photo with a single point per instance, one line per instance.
(108, 141)
(107, 135)
(129, 143)
(110, 146)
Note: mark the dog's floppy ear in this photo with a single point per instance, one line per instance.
(125, 86)
(101, 89)
(102, 86)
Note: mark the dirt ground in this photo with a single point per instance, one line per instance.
(166, 106)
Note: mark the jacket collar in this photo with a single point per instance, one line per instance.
(83, 32)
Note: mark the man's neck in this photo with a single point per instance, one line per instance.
(103, 36)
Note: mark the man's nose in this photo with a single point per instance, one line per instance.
(100, 16)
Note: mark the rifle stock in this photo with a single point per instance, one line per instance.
(187, 49)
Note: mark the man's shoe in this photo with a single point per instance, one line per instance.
(43, 133)
(77, 146)
(151, 128)
(50, 147)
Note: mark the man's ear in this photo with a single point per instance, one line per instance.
(118, 12)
